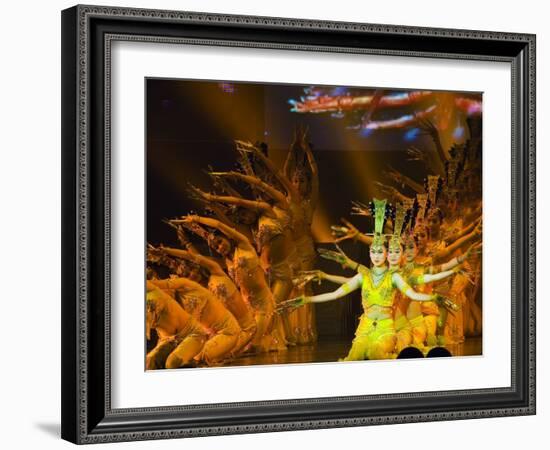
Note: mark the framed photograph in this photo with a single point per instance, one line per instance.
(281, 224)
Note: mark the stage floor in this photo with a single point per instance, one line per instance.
(331, 351)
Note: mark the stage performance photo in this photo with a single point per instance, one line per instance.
(292, 223)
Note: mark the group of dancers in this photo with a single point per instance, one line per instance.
(239, 282)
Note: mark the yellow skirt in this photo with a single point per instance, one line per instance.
(374, 339)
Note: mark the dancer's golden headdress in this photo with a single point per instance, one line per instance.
(433, 184)
(422, 206)
(379, 211)
(452, 170)
(398, 222)
(409, 206)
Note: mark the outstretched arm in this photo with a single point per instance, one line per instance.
(402, 285)
(237, 201)
(175, 283)
(220, 213)
(308, 276)
(210, 222)
(431, 277)
(221, 185)
(275, 194)
(392, 193)
(340, 257)
(203, 261)
(349, 232)
(458, 244)
(464, 231)
(361, 237)
(217, 208)
(247, 147)
(400, 178)
(183, 239)
(337, 279)
(451, 264)
(349, 286)
(407, 290)
(183, 286)
(472, 249)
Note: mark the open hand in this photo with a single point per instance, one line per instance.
(307, 276)
(447, 303)
(292, 304)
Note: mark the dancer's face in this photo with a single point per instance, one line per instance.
(422, 237)
(378, 256)
(410, 250)
(394, 255)
(221, 245)
(299, 180)
(434, 222)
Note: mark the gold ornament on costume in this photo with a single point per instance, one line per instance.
(408, 204)
(379, 213)
(458, 153)
(398, 222)
(422, 201)
(452, 170)
(433, 186)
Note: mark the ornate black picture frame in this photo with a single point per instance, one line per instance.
(87, 34)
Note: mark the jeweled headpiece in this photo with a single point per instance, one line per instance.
(408, 204)
(433, 185)
(452, 171)
(458, 153)
(422, 202)
(398, 222)
(378, 210)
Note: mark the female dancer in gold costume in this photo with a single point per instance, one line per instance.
(409, 320)
(244, 267)
(300, 180)
(224, 289)
(433, 248)
(226, 339)
(180, 336)
(274, 239)
(274, 236)
(407, 328)
(423, 317)
(375, 337)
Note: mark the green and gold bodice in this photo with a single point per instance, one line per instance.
(380, 294)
